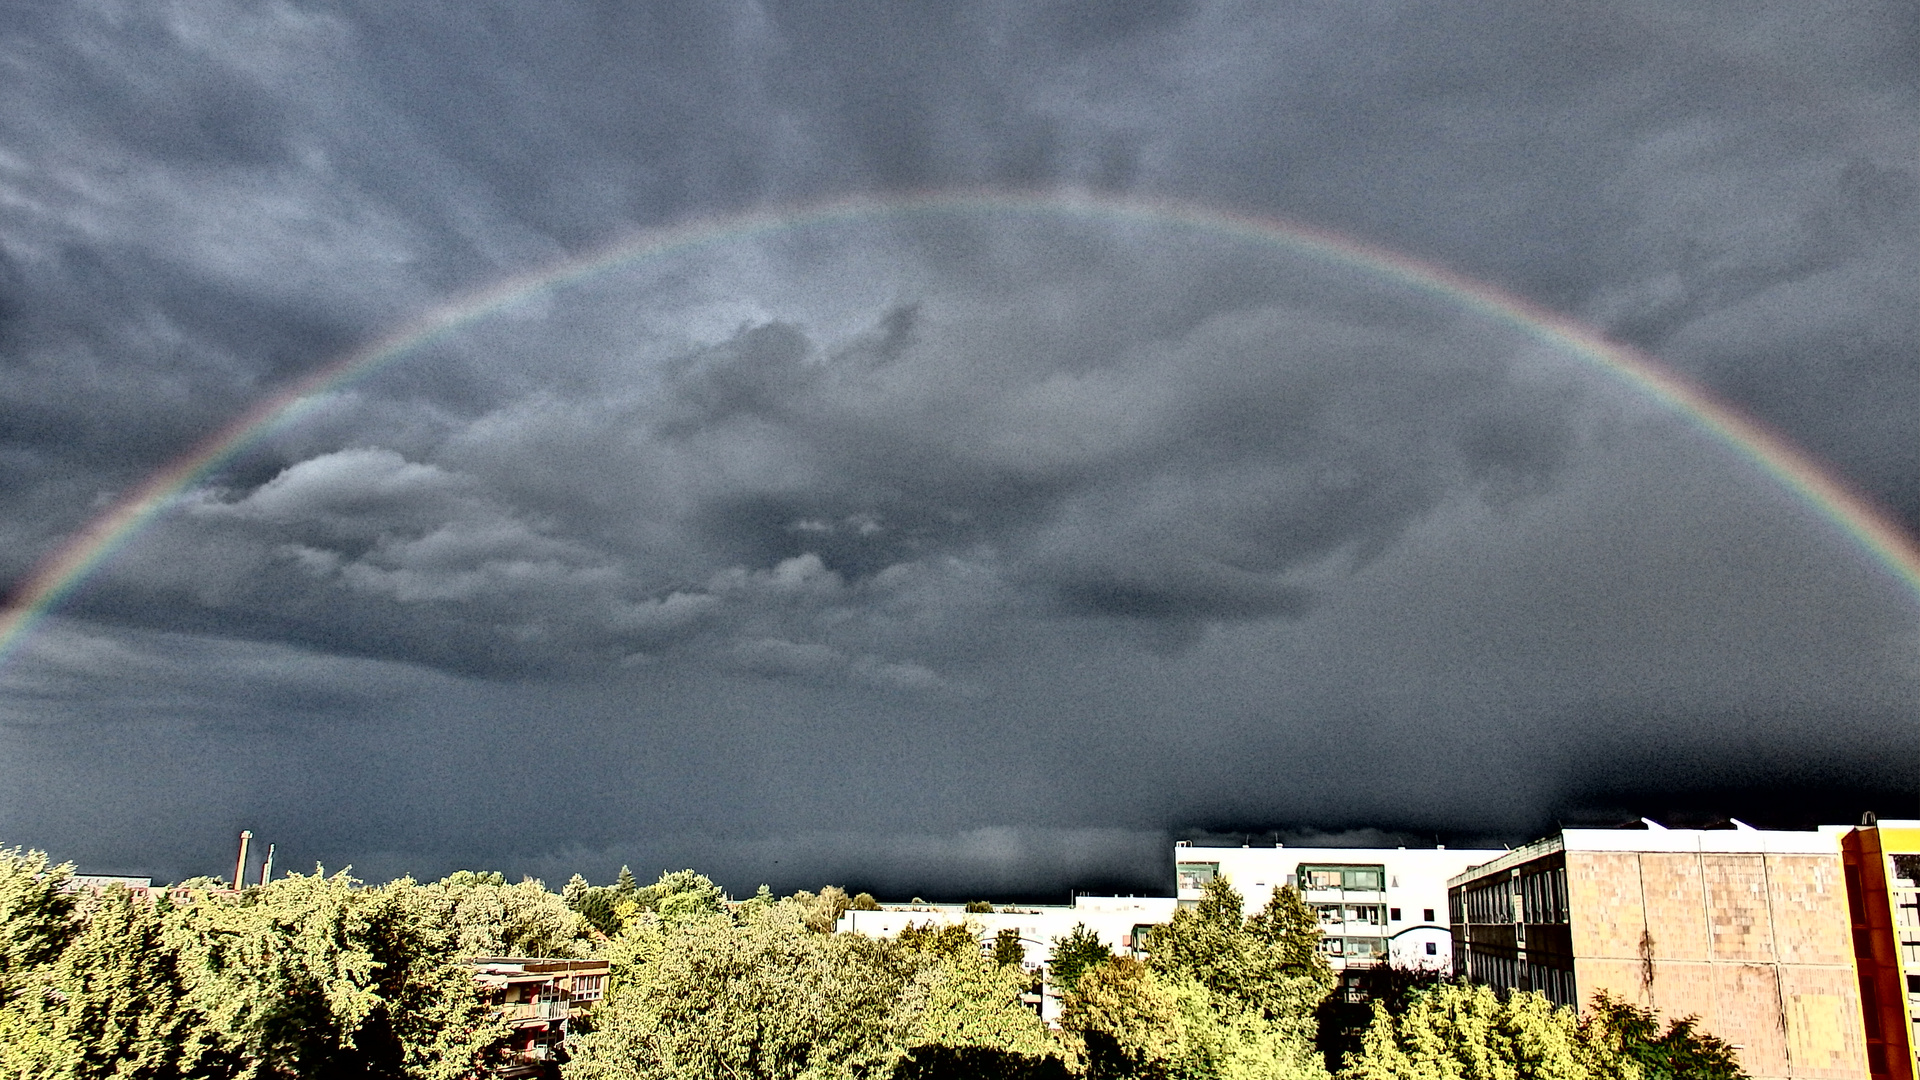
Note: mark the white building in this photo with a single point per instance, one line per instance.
(1374, 904)
(1121, 922)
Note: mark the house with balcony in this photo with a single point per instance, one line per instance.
(539, 997)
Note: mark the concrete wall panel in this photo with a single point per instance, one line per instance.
(1603, 889)
(1809, 902)
(1737, 907)
(1825, 1037)
(1676, 904)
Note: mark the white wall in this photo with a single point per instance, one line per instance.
(1415, 884)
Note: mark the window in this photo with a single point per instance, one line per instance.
(1196, 875)
(1433, 947)
(1393, 914)
(1427, 917)
(1353, 878)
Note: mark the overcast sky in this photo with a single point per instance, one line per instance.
(949, 552)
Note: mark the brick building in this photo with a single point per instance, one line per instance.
(1748, 930)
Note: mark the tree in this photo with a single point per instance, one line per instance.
(1474, 1033)
(948, 940)
(709, 998)
(492, 918)
(1125, 1021)
(1073, 953)
(1270, 964)
(822, 912)
(679, 894)
(319, 976)
(37, 916)
(122, 1008)
(1007, 948)
(979, 907)
(864, 902)
(1615, 1028)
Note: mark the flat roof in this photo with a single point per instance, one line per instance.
(1655, 838)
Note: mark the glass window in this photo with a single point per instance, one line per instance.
(1428, 917)
(1393, 914)
(1197, 875)
(1433, 947)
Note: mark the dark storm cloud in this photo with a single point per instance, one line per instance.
(896, 535)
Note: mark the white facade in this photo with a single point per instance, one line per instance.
(1120, 921)
(1374, 903)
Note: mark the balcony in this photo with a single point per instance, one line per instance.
(520, 1012)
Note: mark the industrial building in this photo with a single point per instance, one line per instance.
(1748, 930)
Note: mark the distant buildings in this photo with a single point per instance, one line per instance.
(1375, 905)
(1122, 923)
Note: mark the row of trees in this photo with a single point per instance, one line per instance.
(320, 976)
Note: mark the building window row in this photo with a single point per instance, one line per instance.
(1338, 914)
(1489, 902)
(1543, 896)
(1355, 948)
(1366, 878)
(1195, 876)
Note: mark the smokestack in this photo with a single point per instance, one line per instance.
(266, 868)
(240, 864)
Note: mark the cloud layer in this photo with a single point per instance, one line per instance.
(930, 525)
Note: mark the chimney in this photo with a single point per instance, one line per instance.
(266, 868)
(240, 864)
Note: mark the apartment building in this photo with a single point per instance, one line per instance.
(1374, 904)
(1121, 922)
(539, 997)
(1746, 929)
(1881, 864)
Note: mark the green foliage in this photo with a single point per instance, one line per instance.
(977, 1063)
(679, 894)
(1454, 1030)
(864, 902)
(953, 941)
(491, 918)
(822, 913)
(1615, 1028)
(1474, 1033)
(979, 907)
(37, 917)
(1007, 948)
(759, 992)
(1269, 965)
(706, 997)
(1073, 953)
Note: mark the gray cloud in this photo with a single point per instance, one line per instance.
(943, 524)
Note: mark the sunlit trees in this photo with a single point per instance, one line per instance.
(492, 918)
(1074, 952)
(1220, 995)
(760, 991)
(1616, 1030)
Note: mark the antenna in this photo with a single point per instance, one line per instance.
(240, 864)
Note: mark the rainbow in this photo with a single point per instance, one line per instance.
(68, 568)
